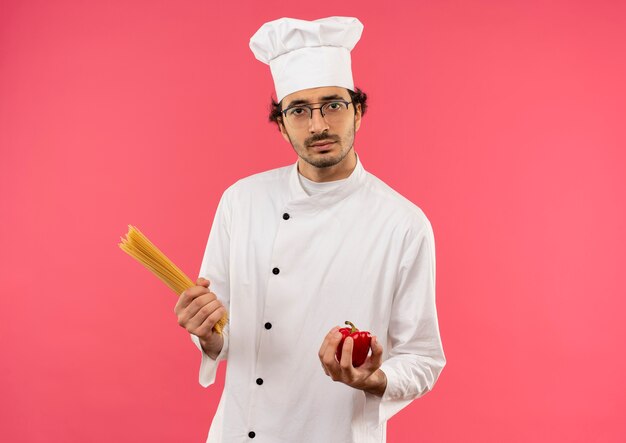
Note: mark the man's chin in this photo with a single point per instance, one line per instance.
(322, 160)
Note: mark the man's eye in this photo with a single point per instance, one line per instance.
(334, 106)
(297, 112)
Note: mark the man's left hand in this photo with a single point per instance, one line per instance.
(368, 377)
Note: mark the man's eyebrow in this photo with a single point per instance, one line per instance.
(324, 98)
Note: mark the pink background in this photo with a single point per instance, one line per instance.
(503, 120)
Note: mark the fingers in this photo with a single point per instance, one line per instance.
(346, 354)
(377, 350)
(207, 316)
(324, 347)
(343, 371)
(203, 282)
(188, 295)
(206, 327)
(326, 341)
(329, 361)
(197, 311)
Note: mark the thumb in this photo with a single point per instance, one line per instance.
(377, 352)
(203, 282)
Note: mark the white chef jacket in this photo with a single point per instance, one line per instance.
(289, 267)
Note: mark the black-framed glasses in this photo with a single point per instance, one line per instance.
(298, 116)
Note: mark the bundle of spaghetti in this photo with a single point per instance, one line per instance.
(145, 252)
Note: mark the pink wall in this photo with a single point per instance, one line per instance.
(503, 120)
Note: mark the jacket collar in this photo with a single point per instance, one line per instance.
(300, 200)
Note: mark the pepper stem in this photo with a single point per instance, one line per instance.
(354, 328)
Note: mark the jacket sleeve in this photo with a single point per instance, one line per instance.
(208, 366)
(216, 268)
(415, 353)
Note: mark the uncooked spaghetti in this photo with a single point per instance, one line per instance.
(141, 249)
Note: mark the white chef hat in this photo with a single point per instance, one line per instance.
(307, 54)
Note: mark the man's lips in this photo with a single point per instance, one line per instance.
(322, 145)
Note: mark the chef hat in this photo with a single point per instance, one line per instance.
(307, 54)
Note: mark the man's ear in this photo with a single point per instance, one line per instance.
(357, 117)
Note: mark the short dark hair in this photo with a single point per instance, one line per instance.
(357, 97)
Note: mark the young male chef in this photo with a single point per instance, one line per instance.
(296, 251)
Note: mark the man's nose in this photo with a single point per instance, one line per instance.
(317, 123)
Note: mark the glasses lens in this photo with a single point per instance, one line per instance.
(334, 111)
(298, 116)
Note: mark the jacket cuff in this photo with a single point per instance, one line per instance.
(378, 410)
(208, 366)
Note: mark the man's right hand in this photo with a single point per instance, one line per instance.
(198, 310)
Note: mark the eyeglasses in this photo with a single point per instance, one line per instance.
(298, 116)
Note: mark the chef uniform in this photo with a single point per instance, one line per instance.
(290, 259)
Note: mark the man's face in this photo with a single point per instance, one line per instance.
(306, 140)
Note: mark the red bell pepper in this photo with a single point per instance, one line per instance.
(362, 341)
